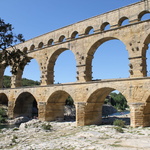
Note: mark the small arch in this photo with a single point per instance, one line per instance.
(144, 15)
(41, 45)
(74, 35)
(89, 30)
(123, 21)
(32, 47)
(105, 26)
(50, 42)
(26, 105)
(62, 38)
(25, 49)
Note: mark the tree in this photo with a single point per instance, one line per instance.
(9, 54)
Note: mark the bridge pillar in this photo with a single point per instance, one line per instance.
(80, 113)
(2, 68)
(41, 111)
(137, 114)
(11, 105)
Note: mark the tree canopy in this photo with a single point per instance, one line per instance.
(9, 54)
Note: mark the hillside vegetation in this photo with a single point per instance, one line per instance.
(25, 82)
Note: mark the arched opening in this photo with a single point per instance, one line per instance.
(148, 60)
(31, 74)
(25, 49)
(26, 106)
(104, 107)
(110, 59)
(65, 67)
(145, 15)
(32, 47)
(105, 26)
(123, 21)
(50, 42)
(41, 45)
(62, 38)
(74, 35)
(3, 100)
(60, 107)
(89, 30)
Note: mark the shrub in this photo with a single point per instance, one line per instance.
(119, 123)
(46, 126)
(119, 129)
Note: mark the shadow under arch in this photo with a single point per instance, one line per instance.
(25, 105)
(94, 106)
(52, 63)
(92, 51)
(55, 106)
(3, 99)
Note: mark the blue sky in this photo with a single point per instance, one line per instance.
(36, 17)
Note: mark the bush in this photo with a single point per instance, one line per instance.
(119, 129)
(46, 126)
(2, 112)
(119, 123)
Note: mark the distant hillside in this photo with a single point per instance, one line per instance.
(25, 82)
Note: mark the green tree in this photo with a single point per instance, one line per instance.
(12, 57)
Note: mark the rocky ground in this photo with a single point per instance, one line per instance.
(36, 135)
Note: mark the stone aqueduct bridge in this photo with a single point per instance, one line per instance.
(88, 95)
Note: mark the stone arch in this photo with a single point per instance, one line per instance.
(3, 99)
(74, 35)
(121, 20)
(51, 64)
(41, 45)
(104, 25)
(32, 47)
(25, 105)
(55, 105)
(50, 42)
(93, 108)
(32, 65)
(142, 14)
(62, 38)
(25, 49)
(90, 55)
(89, 29)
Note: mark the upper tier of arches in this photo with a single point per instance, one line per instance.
(101, 23)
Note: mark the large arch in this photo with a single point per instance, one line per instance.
(25, 105)
(27, 71)
(52, 63)
(94, 105)
(55, 105)
(94, 48)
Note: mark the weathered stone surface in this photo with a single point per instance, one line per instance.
(88, 95)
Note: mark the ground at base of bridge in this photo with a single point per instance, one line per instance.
(40, 135)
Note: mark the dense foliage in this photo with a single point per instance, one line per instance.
(25, 82)
(117, 100)
(2, 115)
(12, 57)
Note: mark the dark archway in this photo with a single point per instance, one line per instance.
(26, 105)
(3, 99)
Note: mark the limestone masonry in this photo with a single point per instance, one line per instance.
(88, 95)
